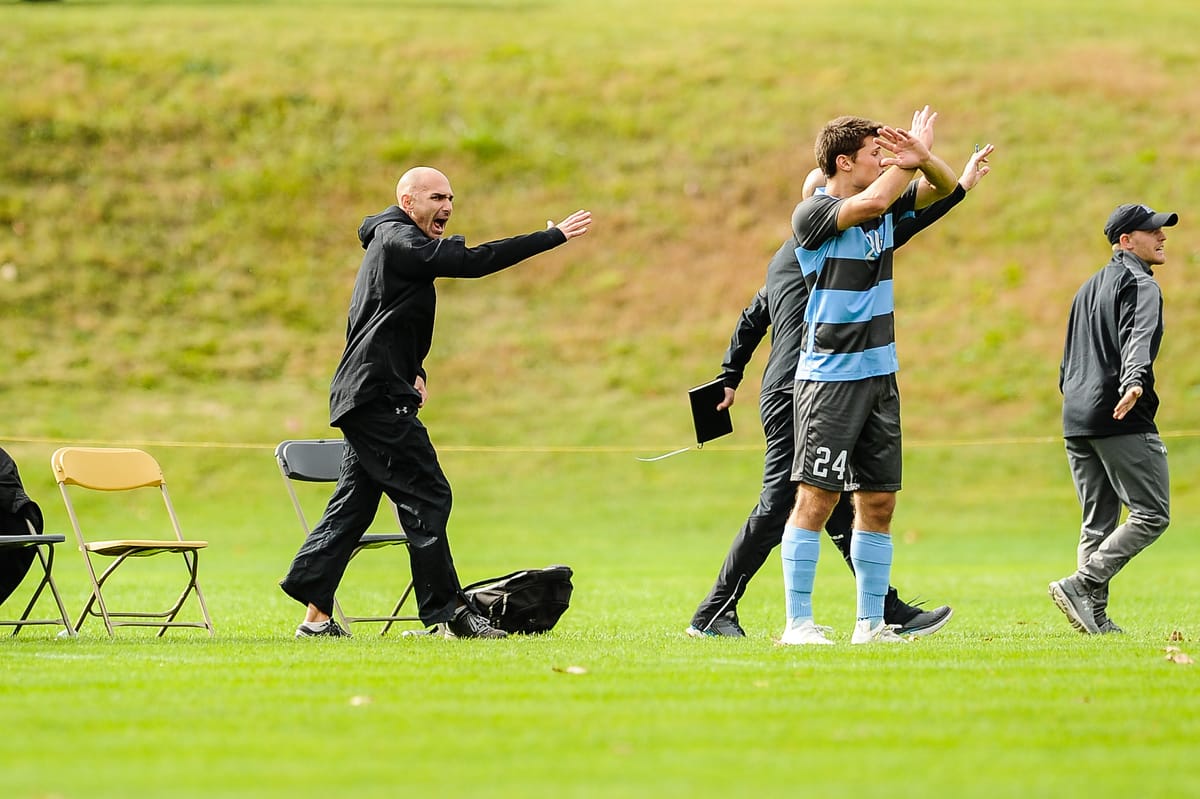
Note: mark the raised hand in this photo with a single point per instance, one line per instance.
(922, 126)
(977, 166)
(909, 151)
(574, 225)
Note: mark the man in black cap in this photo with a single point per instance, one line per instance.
(1107, 382)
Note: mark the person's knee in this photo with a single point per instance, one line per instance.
(813, 506)
(1153, 521)
(874, 510)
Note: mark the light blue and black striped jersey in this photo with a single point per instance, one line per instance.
(849, 328)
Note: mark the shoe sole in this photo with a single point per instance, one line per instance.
(815, 641)
(871, 641)
(1064, 604)
(928, 629)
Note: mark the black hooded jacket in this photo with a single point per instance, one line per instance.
(390, 325)
(15, 509)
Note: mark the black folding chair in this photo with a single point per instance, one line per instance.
(21, 543)
(319, 460)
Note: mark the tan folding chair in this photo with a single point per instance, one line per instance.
(106, 469)
(319, 460)
(43, 545)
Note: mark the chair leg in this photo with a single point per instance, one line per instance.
(97, 597)
(396, 610)
(28, 608)
(47, 561)
(204, 611)
(192, 561)
(337, 610)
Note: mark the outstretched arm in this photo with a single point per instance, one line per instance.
(976, 169)
(910, 156)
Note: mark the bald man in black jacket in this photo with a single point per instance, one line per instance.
(375, 395)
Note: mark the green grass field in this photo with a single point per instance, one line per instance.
(179, 188)
(1005, 701)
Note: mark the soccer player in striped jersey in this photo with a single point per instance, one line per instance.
(847, 404)
(779, 306)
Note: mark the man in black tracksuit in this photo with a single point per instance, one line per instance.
(1107, 381)
(780, 305)
(376, 392)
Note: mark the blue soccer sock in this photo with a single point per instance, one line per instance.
(871, 554)
(799, 550)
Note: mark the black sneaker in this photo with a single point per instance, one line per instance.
(467, 624)
(723, 626)
(911, 619)
(926, 622)
(330, 630)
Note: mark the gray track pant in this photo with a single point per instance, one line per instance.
(1109, 473)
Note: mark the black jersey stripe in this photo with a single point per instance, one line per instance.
(848, 274)
(851, 337)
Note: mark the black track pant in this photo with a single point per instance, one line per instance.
(763, 530)
(387, 451)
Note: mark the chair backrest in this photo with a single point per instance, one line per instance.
(106, 469)
(315, 460)
(109, 469)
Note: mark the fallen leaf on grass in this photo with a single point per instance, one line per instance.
(1177, 655)
(571, 670)
(359, 701)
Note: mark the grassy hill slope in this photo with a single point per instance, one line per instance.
(180, 186)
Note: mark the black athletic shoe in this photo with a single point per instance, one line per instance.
(912, 619)
(467, 624)
(723, 626)
(926, 622)
(330, 630)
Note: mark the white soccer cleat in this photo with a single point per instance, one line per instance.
(884, 633)
(805, 633)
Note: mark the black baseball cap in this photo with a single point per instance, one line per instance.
(1128, 218)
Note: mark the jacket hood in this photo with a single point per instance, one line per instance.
(366, 231)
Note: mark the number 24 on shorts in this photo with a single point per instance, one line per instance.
(825, 463)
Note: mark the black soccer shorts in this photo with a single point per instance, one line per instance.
(848, 434)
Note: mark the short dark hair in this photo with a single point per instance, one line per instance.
(841, 136)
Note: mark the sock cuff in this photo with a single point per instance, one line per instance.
(800, 545)
(871, 547)
(800, 534)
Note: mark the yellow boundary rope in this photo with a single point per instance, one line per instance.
(931, 444)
